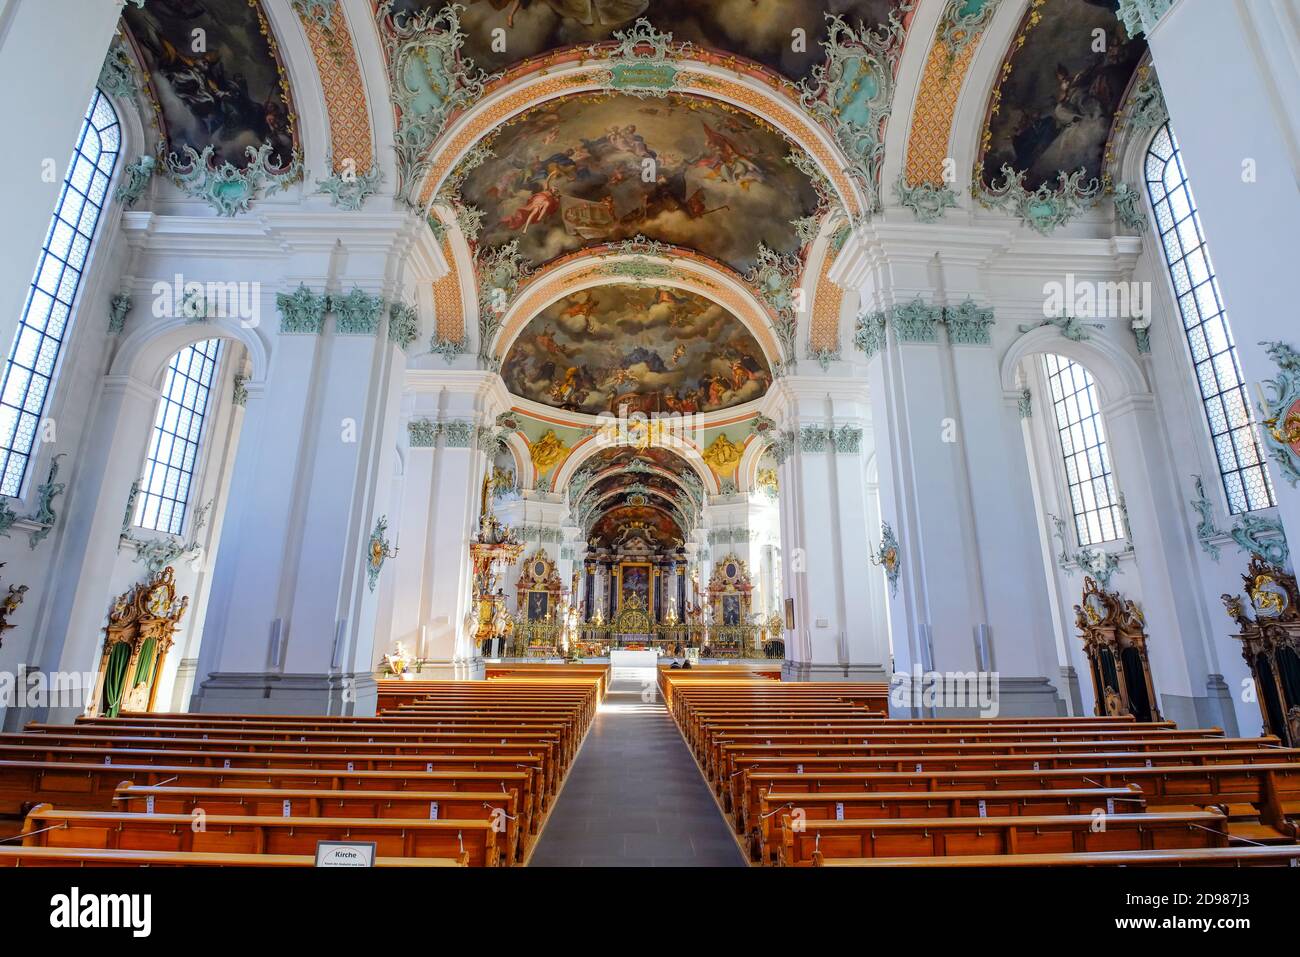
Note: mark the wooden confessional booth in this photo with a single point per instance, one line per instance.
(1115, 639)
(1271, 645)
(140, 631)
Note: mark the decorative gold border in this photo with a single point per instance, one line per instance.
(350, 132)
(936, 107)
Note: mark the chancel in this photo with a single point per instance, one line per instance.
(433, 433)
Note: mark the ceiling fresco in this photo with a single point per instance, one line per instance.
(646, 348)
(602, 167)
(622, 480)
(611, 527)
(1056, 106)
(222, 87)
(761, 30)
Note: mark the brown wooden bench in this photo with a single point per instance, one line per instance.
(1036, 834)
(287, 802)
(247, 834)
(854, 805)
(94, 786)
(1269, 788)
(67, 857)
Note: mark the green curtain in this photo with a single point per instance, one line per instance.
(144, 664)
(115, 678)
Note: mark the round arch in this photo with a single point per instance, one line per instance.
(689, 272)
(1116, 372)
(145, 352)
(592, 445)
(697, 75)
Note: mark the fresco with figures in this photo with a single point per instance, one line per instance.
(618, 523)
(758, 29)
(227, 95)
(646, 348)
(1059, 101)
(607, 167)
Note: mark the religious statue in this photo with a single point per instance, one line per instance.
(397, 662)
(9, 604)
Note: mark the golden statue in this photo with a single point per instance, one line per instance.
(547, 452)
(723, 455)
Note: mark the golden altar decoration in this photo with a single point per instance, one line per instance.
(1115, 640)
(1270, 643)
(492, 546)
(538, 588)
(141, 628)
(730, 592)
(633, 618)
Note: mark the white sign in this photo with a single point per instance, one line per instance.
(345, 854)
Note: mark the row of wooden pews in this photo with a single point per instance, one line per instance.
(816, 774)
(448, 774)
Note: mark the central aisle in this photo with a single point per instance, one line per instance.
(635, 797)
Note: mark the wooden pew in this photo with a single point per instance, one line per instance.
(1281, 856)
(1047, 834)
(94, 786)
(68, 857)
(246, 834)
(1032, 761)
(285, 802)
(1269, 788)
(855, 805)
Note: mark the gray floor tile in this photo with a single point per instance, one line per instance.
(635, 797)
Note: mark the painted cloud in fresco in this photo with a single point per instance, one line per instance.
(573, 173)
(227, 95)
(759, 29)
(651, 348)
(1060, 99)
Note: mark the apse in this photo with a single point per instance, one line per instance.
(641, 347)
(600, 168)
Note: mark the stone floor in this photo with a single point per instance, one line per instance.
(635, 797)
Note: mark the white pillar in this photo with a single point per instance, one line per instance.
(824, 532)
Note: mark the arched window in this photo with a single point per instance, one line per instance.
(177, 438)
(43, 328)
(1091, 485)
(1205, 323)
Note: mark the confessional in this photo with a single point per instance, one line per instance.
(1270, 643)
(1115, 640)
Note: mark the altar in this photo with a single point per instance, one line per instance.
(631, 665)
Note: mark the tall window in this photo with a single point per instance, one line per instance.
(177, 435)
(1218, 374)
(30, 370)
(1087, 459)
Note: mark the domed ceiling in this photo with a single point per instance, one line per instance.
(214, 71)
(649, 348)
(759, 29)
(602, 167)
(1055, 107)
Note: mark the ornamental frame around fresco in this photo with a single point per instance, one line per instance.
(1066, 193)
(203, 173)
